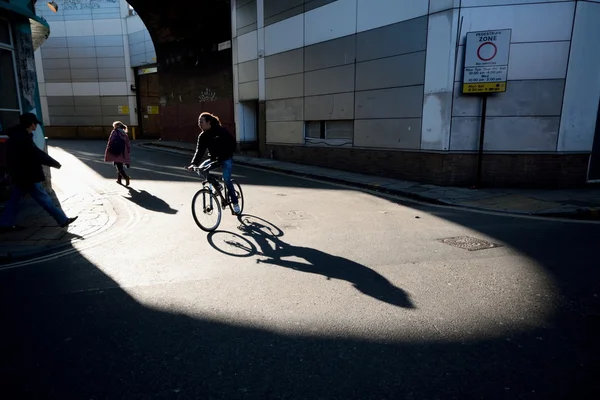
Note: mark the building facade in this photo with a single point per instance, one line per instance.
(374, 86)
(21, 32)
(89, 70)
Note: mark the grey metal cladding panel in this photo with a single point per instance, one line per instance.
(111, 62)
(138, 59)
(401, 38)
(248, 71)
(274, 7)
(61, 111)
(312, 4)
(85, 63)
(84, 75)
(405, 70)
(283, 87)
(114, 100)
(328, 54)
(149, 46)
(56, 63)
(110, 40)
(112, 51)
(81, 110)
(57, 75)
(246, 29)
(529, 98)
(87, 100)
(55, 52)
(288, 63)
(248, 91)
(60, 101)
(241, 3)
(138, 48)
(81, 41)
(82, 52)
(292, 12)
(112, 74)
(112, 15)
(136, 37)
(112, 109)
(285, 110)
(246, 15)
(52, 42)
(388, 133)
(330, 80)
(329, 107)
(406, 102)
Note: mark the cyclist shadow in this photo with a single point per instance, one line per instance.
(269, 244)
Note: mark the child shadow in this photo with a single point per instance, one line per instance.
(149, 201)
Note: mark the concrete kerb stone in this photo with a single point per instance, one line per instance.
(420, 192)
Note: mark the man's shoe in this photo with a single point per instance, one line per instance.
(236, 208)
(69, 222)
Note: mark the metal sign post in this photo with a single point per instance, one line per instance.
(485, 71)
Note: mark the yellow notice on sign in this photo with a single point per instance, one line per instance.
(487, 87)
(123, 109)
(152, 110)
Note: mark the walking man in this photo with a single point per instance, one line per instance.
(25, 161)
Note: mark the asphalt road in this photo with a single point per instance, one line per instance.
(317, 292)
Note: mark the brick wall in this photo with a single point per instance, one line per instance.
(500, 170)
(187, 89)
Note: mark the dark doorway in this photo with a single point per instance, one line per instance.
(148, 100)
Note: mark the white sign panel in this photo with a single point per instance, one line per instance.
(486, 61)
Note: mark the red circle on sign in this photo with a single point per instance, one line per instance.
(482, 58)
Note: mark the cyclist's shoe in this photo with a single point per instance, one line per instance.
(236, 208)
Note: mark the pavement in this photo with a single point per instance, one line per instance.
(41, 235)
(319, 291)
(563, 203)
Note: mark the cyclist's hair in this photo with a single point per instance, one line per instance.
(213, 119)
(119, 124)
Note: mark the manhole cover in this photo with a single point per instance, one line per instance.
(469, 243)
(293, 215)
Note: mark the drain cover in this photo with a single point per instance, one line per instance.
(469, 243)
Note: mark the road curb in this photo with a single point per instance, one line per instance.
(580, 214)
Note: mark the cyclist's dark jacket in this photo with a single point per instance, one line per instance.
(220, 144)
(25, 159)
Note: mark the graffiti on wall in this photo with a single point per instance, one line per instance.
(207, 95)
(84, 4)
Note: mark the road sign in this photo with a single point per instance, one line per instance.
(486, 61)
(152, 110)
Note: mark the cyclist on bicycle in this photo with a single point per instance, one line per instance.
(220, 144)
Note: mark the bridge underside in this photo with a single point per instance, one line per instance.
(193, 75)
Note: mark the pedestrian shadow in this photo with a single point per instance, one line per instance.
(149, 201)
(267, 237)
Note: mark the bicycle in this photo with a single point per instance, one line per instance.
(213, 196)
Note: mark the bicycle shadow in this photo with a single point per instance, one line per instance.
(267, 237)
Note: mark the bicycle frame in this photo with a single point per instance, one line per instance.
(215, 186)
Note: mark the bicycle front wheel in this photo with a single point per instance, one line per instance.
(206, 210)
(239, 194)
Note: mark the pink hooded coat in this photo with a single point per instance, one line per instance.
(123, 158)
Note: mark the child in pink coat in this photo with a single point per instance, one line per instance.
(118, 151)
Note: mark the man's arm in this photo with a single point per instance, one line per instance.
(200, 150)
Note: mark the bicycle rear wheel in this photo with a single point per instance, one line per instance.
(239, 194)
(206, 210)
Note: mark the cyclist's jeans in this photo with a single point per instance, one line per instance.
(37, 193)
(227, 168)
